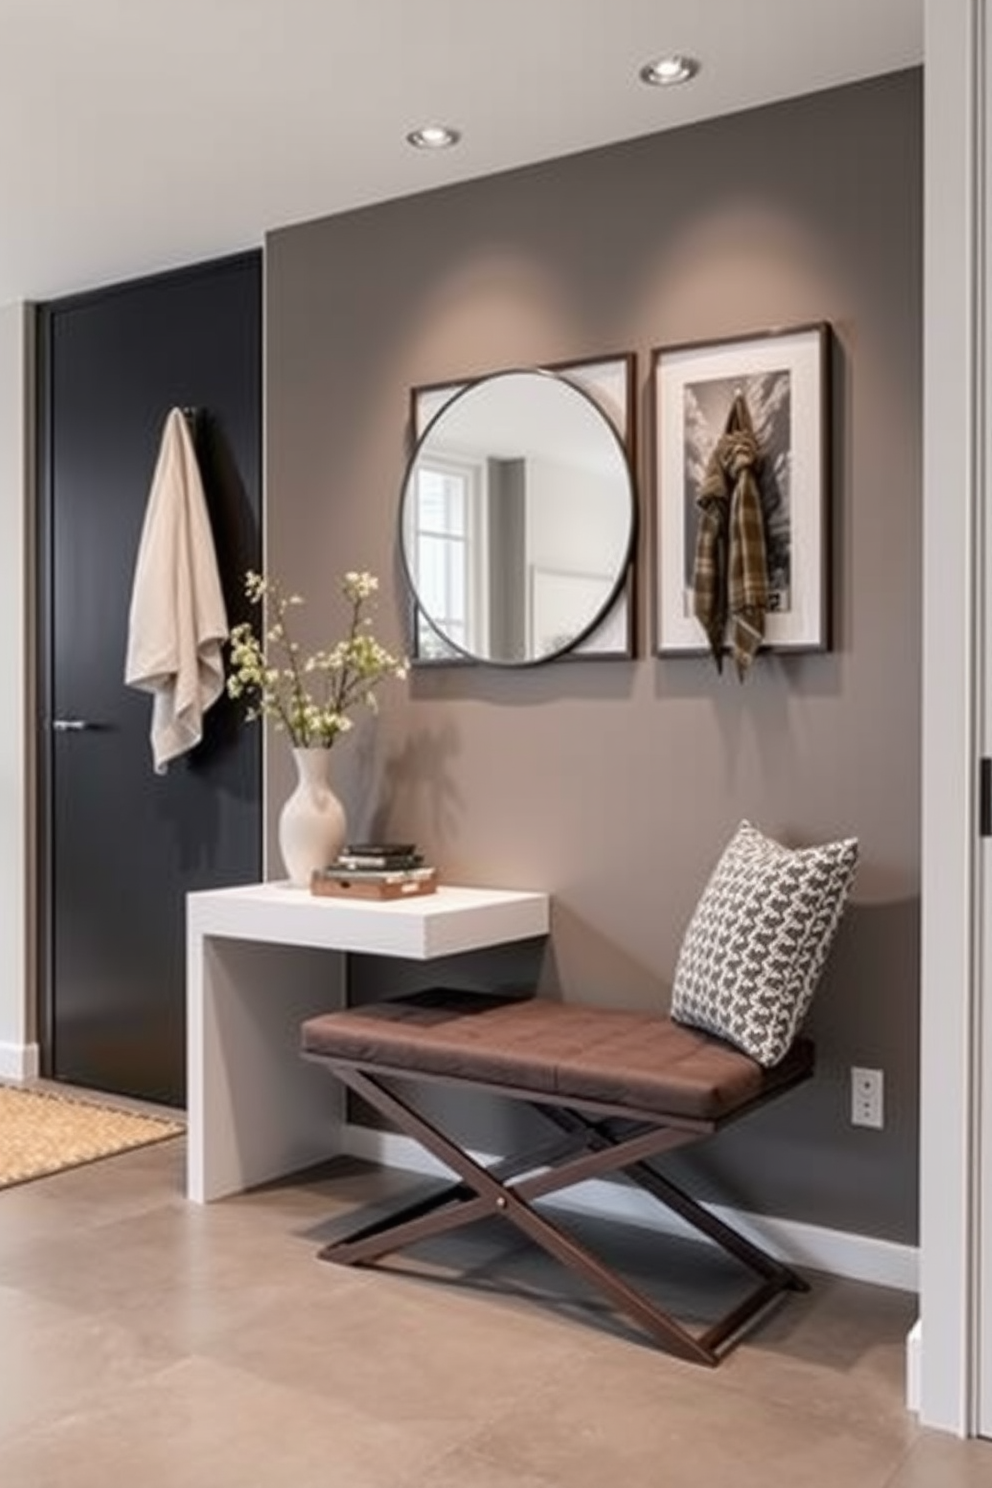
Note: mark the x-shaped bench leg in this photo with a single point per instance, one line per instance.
(509, 1189)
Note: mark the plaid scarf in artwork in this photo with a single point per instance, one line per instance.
(730, 572)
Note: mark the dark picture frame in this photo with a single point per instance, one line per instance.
(783, 377)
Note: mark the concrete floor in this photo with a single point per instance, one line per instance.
(147, 1341)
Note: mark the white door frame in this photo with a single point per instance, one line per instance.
(981, 1309)
(18, 1040)
(957, 422)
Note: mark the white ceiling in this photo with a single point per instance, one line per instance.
(137, 135)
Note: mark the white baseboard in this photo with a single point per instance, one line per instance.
(857, 1257)
(19, 1061)
(914, 1348)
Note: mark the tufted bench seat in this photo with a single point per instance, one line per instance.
(634, 1060)
(620, 1087)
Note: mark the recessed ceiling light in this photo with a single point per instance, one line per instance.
(665, 72)
(433, 137)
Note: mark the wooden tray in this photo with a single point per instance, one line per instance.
(372, 888)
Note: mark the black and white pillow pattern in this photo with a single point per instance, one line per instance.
(758, 938)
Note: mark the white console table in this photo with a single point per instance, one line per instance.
(263, 957)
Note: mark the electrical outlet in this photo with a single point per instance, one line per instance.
(866, 1098)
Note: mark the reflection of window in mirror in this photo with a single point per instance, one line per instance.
(450, 549)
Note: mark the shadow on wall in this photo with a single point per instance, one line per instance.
(803, 1157)
(420, 784)
(584, 965)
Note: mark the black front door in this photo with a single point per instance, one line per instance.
(121, 846)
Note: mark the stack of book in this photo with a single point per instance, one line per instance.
(376, 870)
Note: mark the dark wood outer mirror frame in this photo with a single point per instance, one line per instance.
(608, 382)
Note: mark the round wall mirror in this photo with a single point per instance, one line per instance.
(516, 518)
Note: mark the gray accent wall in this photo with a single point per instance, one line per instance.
(614, 785)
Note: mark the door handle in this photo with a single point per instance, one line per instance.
(70, 725)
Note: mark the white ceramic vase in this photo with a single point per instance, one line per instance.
(312, 823)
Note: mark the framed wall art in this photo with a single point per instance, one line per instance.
(567, 552)
(777, 383)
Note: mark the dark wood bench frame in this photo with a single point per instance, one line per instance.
(594, 1138)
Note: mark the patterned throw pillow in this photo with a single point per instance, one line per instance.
(752, 955)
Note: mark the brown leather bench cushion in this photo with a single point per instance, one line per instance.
(631, 1059)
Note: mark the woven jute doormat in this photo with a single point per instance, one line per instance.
(42, 1132)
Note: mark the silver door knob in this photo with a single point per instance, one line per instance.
(70, 725)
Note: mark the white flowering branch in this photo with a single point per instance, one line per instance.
(308, 697)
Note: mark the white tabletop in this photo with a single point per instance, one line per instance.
(450, 920)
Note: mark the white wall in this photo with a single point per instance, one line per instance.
(18, 1046)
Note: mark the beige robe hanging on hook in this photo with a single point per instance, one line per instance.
(178, 622)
